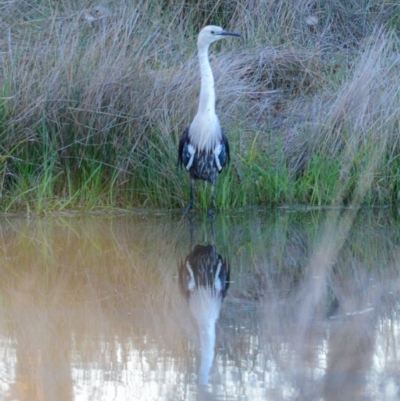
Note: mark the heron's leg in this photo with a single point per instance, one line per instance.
(211, 209)
(191, 200)
(212, 231)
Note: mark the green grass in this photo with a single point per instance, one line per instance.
(91, 113)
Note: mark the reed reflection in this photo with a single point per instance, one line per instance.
(350, 358)
(204, 280)
(90, 309)
(42, 357)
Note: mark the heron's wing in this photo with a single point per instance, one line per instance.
(181, 150)
(224, 276)
(224, 155)
(225, 141)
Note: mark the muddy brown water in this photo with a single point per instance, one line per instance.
(91, 307)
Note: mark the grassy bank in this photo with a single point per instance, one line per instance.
(93, 101)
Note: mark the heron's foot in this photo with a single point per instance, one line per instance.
(210, 213)
(189, 220)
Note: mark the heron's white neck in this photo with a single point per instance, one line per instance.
(205, 305)
(207, 91)
(205, 130)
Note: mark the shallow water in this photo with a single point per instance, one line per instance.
(92, 307)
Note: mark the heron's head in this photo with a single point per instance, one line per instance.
(211, 33)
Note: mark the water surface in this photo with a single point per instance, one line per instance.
(92, 307)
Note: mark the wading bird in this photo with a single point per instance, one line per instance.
(204, 280)
(204, 147)
(206, 269)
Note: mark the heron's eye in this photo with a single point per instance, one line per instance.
(213, 32)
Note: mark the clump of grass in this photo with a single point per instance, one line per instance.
(93, 101)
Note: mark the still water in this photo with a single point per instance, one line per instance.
(259, 305)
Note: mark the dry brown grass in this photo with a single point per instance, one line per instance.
(111, 81)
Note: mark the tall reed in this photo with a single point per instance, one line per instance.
(93, 101)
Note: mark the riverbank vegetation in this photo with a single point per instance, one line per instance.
(94, 98)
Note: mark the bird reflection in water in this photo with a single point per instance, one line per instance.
(204, 281)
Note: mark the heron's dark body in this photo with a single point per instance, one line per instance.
(204, 166)
(206, 267)
(204, 148)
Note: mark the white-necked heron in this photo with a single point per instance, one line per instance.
(204, 147)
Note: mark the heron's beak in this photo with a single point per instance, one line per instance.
(226, 33)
